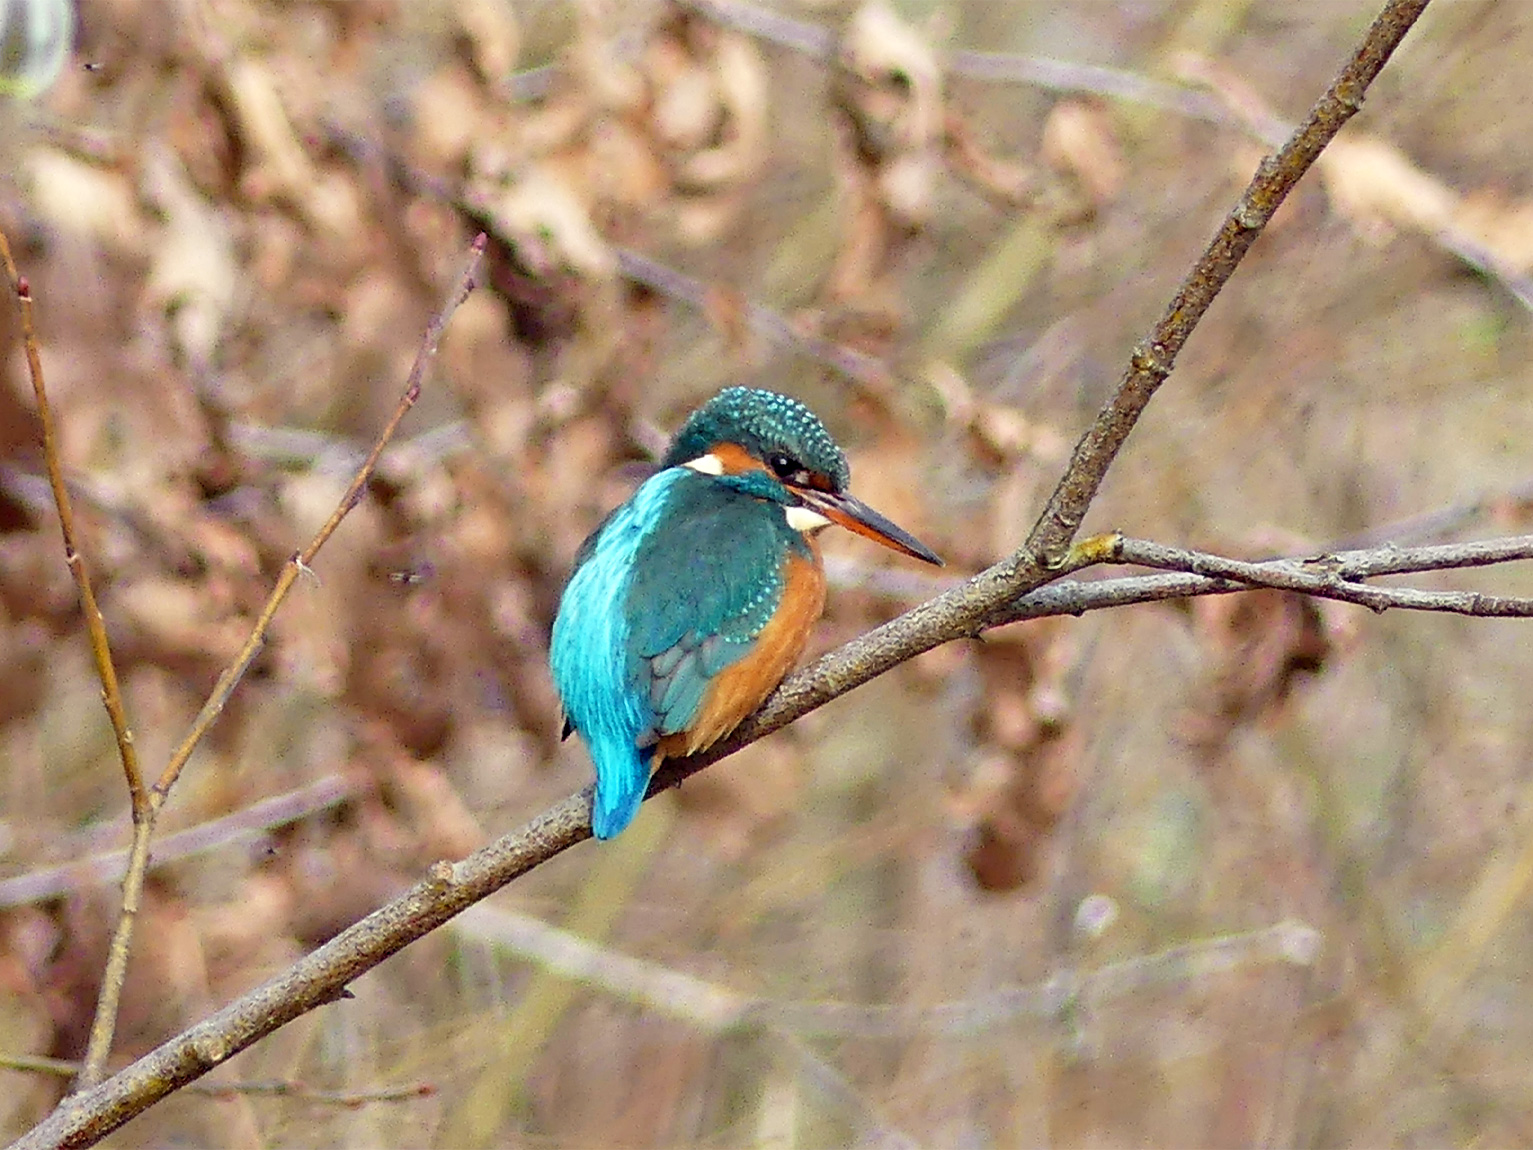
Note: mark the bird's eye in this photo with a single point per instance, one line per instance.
(783, 466)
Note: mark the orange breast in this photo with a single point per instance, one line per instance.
(738, 689)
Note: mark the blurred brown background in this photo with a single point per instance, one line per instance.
(237, 220)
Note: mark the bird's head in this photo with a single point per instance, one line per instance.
(776, 447)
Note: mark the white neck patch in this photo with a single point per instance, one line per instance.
(709, 464)
(805, 520)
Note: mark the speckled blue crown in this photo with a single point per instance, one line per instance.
(762, 422)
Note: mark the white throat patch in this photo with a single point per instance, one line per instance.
(805, 520)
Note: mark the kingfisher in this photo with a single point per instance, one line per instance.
(691, 601)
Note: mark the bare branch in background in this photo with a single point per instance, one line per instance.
(241, 826)
(148, 803)
(710, 1007)
(1339, 576)
(1049, 553)
(141, 801)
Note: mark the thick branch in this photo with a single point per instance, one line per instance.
(985, 600)
(322, 976)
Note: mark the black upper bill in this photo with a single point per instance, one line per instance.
(855, 515)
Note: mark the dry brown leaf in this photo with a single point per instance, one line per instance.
(193, 271)
(1025, 773)
(1023, 797)
(494, 39)
(1258, 645)
(555, 271)
(1376, 186)
(80, 199)
(738, 146)
(176, 613)
(1078, 139)
(1010, 182)
(888, 85)
(886, 91)
(277, 167)
(448, 118)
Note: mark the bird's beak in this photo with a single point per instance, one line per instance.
(855, 515)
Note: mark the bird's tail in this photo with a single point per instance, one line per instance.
(619, 792)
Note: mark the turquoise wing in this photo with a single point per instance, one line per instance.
(672, 588)
(702, 590)
(588, 656)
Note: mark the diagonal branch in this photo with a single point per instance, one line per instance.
(982, 602)
(1152, 359)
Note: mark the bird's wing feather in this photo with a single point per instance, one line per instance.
(588, 653)
(701, 591)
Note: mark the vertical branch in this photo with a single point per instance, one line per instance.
(101, 650)
(147, 802)
(103, 1024)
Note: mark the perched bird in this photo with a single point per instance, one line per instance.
(692, 600)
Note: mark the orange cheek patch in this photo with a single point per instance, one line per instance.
(736, 459)
(738, 689)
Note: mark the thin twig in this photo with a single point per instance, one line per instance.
(114, 973)
(1444, 521)
(873, 1129)
(812, 40)
(267, 1088)
(302, 560)
(322, 976)
(298, 1091)
(716, 1009)
(817, 42)
(101, 650)
(242, 826)
(142, 806)
(147, 806)
(1090, 80)
(1337, 576)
